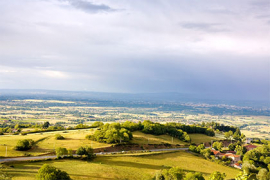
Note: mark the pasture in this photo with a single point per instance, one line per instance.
(47, 142)
(141, 138)
(201, 138)
(123, 166)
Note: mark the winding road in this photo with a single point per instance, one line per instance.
(18, 159)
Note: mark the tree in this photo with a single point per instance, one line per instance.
(263, 174)
(206, 153)
(247, 167)
(194, 176)
(175, 173)
(70, 153)
(187, 138)
(23, 145)
(47, 172)
(218, 145)
(61, 152)
(239, 150)
(231, 147)
(242, 176)
(200, 148)
(59, 137)
(86, 151)
(81, 151)
(46, 125)
(217, 176)
(228, 135)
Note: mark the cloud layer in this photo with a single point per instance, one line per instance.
(207, 47)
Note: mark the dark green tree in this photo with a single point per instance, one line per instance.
(194, 176)
(23, 145)
(217, 176)
(47, 172)
(46, 125)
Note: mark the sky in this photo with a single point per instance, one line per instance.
(143, 46)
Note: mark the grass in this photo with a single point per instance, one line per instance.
(73, 140)
(201, 138)
(141, 138)
(123, 167)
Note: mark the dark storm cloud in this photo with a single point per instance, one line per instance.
(89, 7)
(261, 3)
(207, 27)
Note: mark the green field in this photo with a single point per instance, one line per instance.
(201, 138)
(73, 140)
(141, 138)
(123, 166)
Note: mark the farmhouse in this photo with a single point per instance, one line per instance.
(250, 147)
(233, 157)
(237, 165)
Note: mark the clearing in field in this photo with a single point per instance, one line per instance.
(123, 166)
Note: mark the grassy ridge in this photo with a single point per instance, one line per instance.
(123, 167)
(73, 140)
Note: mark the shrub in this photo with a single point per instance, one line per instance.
(47, 172)
(23, 145)
(59, 137)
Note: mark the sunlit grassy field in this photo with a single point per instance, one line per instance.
(141, 138)
(201, 138)
(123, 167)
(73, 140)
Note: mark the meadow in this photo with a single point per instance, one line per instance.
(123, 166)
(141, 138)
(202, 138)
(47, 142)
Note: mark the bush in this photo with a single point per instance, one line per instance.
(23, 145)
(59, 137)
(86, 151)
(173, 173)
(61, 152)
(47, 172)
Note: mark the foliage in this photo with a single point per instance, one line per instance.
(47, 172)
(46, 125)
(242, 176)
(25, 144)
(61, 152)
(240, 150)
(132, 126)
(97, 124)
(232, 146)
(217, 145)
(111, 133)
(86, 151)
(194, 176)
(263, 174)
(59, 137)
(217, 176)
(174, 173)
